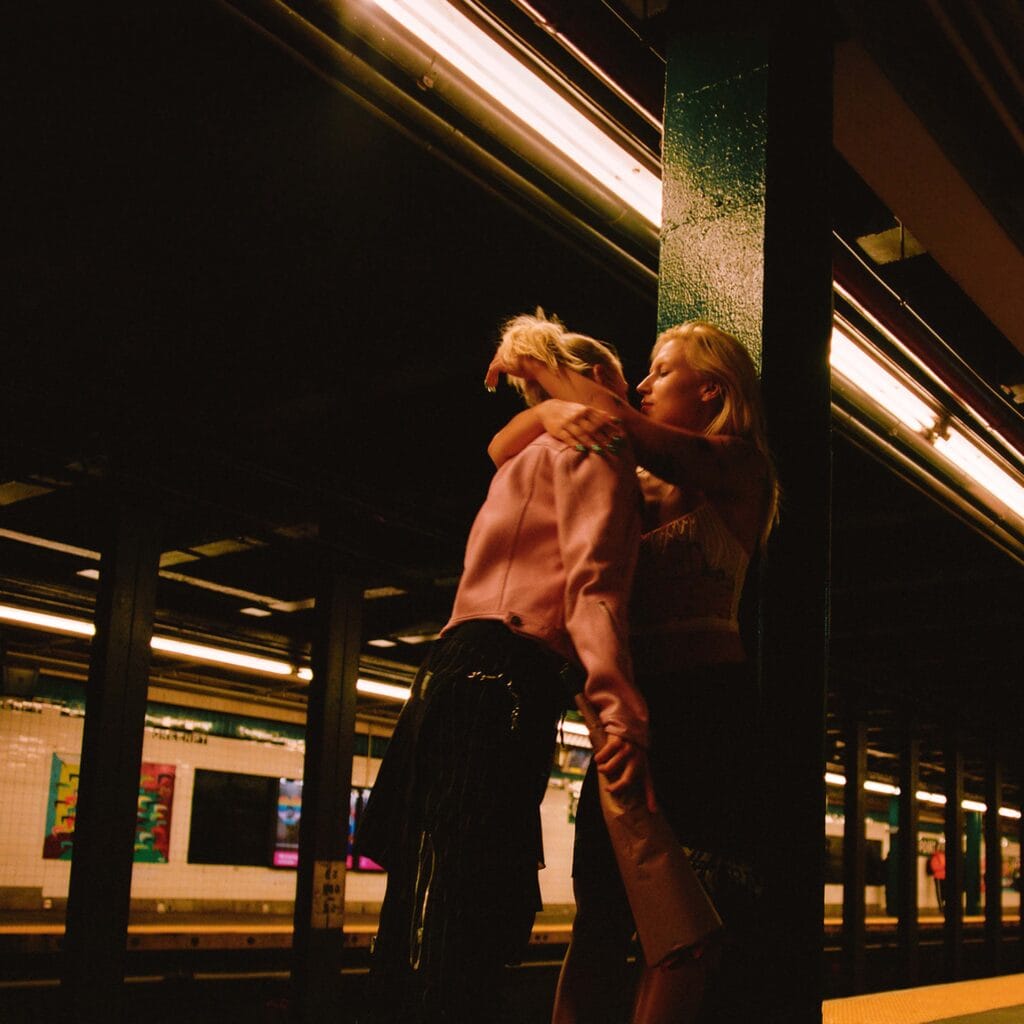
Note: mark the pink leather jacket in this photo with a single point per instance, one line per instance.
(551, 554)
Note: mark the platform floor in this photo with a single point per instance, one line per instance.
(985, 1001)
(244, 976)
(255, 1000)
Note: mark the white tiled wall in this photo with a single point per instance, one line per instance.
(177, 879)
(28, 741)
(29, 738)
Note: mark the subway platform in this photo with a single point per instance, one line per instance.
(219, 969)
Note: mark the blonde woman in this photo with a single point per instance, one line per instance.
(454, 816)
(710, 500)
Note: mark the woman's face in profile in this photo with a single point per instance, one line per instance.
(673, 392)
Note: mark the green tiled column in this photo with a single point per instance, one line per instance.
(716, 126)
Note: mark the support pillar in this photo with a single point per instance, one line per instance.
(907, 866)
(953, 759)
(746, 242)
(994, 855)
(972, 863)
(99, 894)
(318, 938)
(1019, 761)
(855, 764)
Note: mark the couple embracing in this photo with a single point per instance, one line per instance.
(609, 556)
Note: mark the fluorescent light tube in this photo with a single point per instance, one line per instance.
(834, 779)
(388, 690)
(882, 787)
(522, 92)
(970, 459)
(368, 686)
(40, 620)
(215, 654)
(851, 360)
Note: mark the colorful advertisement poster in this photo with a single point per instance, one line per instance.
(289, 813)
(286, 835)
(153, 827)
(60, 810)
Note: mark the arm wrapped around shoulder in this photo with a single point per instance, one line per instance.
(598, 507)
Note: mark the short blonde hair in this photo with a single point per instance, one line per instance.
(721, 358)
(546, 339)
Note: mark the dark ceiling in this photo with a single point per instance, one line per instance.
(270, 311)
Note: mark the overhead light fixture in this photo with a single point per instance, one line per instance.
(853, 358)
(43, 620)
(886, 788)
(197, 652)
(256, 613)
(368, 686)
(217, 655)
(982, 468)
(89, 574)
(381, 642)
(461, 43)
(946, 447)
(388, 690)
(939, 799)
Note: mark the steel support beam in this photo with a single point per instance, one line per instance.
(907, 867)
(855, 763)
(994, 854)
(953, 759)
(317, 946)
(95, 941)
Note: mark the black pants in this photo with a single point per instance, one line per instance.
(455, 818)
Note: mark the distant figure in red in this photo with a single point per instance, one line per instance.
(937, 869)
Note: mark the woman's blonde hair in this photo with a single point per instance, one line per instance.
(547, 340)
(721, 358)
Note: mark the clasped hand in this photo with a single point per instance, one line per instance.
(624, 765)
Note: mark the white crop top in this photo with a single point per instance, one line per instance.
(689, 576)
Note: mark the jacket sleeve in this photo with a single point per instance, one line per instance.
(598, 508)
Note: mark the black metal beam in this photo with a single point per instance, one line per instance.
(909, 815)
(795, 596)
(993, 853)
(99, 893)
(317, 946)
(953, 760)
(855, 763)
